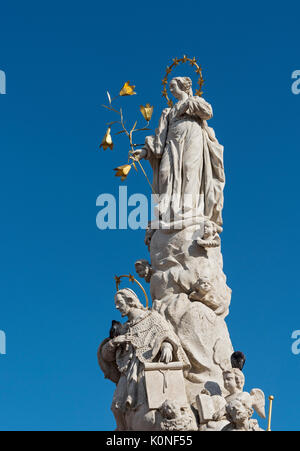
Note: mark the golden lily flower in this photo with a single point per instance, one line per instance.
(147, 111)
(123, 171)
(127, 90)
(107, 141)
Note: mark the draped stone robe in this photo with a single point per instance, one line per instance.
(187, 163)
(124, 364)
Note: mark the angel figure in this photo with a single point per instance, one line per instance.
(236, 406)
(203, 292)
(210, 236)
(234, 382)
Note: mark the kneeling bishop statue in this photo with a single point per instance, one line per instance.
(145, 338)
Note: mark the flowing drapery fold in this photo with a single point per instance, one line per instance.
(187, 163)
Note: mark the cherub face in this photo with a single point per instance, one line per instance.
(203, 286)
(229, 382)
(208, 230)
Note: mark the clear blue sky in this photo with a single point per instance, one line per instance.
(57, 268)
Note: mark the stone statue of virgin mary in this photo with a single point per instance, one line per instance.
(187, 161)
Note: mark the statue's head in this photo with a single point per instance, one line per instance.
(234, 380)
(203, 285)
(229, 381)
(180, 85)
(126, 300)
(240, 409)
(210, 229)
(142, 268)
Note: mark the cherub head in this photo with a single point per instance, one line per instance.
(203, 286)
(229, 381)
(201, 289)
(234, 380)
(210, 230)
(170, 410)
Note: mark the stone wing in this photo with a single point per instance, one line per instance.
(258, 401)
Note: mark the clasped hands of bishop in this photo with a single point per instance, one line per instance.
(166, 355)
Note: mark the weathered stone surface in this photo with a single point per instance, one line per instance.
(172, 364)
